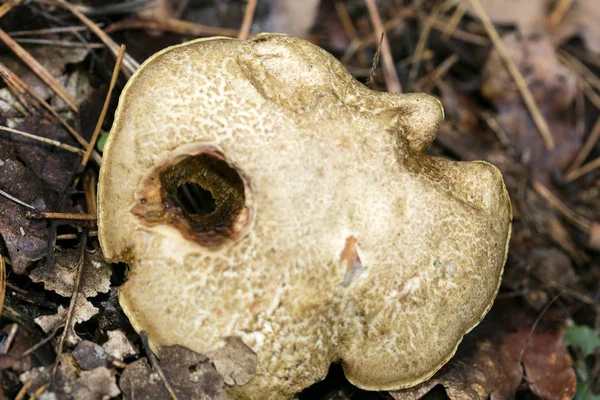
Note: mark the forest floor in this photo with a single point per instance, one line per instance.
(520, 84)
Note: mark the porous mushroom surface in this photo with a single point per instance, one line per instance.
(333, 237)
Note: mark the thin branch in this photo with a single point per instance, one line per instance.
(389, 68)
(129, 65)
(55, 215)
(585, 151)
(8, 196)
(113, 81)
(43, 140)
(512, 68)
(39, 70)
(579, 221)
(156, 365)
(248, 17)
(12, 76)
(71, 310)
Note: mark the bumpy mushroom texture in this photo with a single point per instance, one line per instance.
(333, 237)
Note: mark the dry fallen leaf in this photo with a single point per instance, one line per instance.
(236, 362)
(582, 20)
(492, 372)
(84, 310)
(99, 383)
(61, 278)
(488, 363)
(292, 16)
(553, 87)
(191, 375)
(118, 346)
(529, 18)
(547, 363)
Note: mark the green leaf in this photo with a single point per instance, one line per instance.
(101, 141)
(583, 392)
(582, 337)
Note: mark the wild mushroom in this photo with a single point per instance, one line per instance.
(328, 234)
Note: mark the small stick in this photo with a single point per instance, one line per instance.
(420, 48)
(49, 31)
(71, 310)
(389, 68)
(39, 344)
(7, 72)
(43, 140)
(579, 221)
(2, 283)
(113, 81)
(455, 19)
(438, 73)
(247, 23)
(559, 12)
(23, 392)
(349, 28)
(13, 330)
(374, 64)
(155, 365)
(129, 65)
(172, 25)
(61, 43)
(587, 148)
(39, 70)
(583, 170)
(9, 5)
(55, 215)
(512, 68)
(71, 236)
(534, 326)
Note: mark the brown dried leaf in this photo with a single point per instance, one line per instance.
(547, 363)
(54, 166)
(191, 375)
(118, 346)
(490, 361)
(582, 20)
(61, 278)
(292, 17)
(492, 372)
(26, 240)
(84, 310)
(553, 87)
(99, 383)
(236, 362)
(527, 15)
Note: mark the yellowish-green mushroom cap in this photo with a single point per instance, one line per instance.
(333, 237)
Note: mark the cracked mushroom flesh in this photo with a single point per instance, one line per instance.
(262, 194)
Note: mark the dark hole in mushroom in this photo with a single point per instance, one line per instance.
(206, 190)
(195, 199)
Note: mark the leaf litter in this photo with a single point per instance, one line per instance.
(550, 254)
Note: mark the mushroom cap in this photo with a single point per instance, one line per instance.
(335, 238)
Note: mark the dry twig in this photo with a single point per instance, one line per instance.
(43, 140)
(156, 365)
(4, 71)
(512, 68)
(55, 215)
(71, 310)
(389, 69)
(39, 70)
(113, 81)
(172, 25)
(129, 65)
(248, 17)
